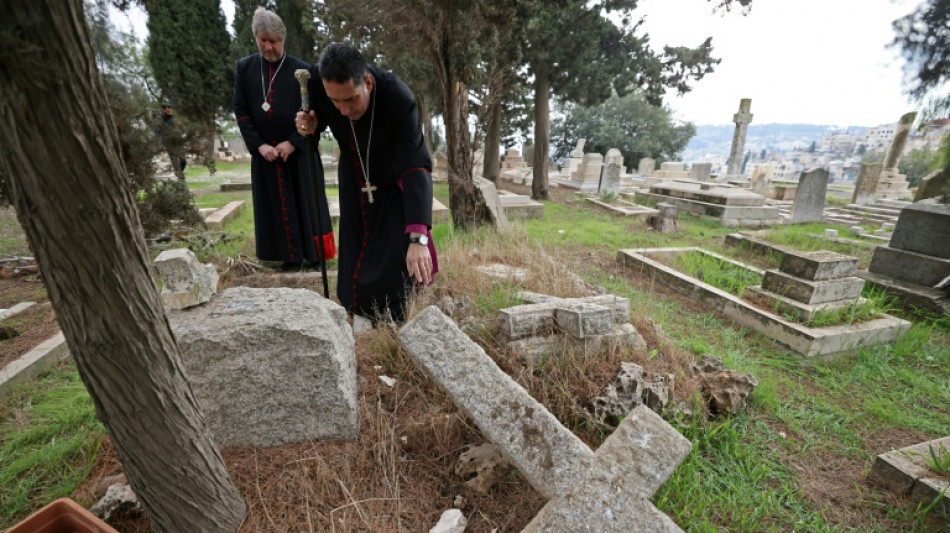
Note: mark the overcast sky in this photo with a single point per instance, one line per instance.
(800, 61)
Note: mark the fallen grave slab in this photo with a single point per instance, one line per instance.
(606, 491)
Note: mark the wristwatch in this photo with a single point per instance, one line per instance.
(421, 239)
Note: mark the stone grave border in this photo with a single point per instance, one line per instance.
(825, 342)
(32, 363)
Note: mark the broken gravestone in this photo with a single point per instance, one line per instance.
(185, 281)
(270, 366)
(605, 491)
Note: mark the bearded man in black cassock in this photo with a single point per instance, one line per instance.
(385, 179)
(266, 98)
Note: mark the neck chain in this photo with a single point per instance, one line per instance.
(266, 105)
(369, 141)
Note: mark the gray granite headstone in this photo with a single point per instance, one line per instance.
(270, 366)
(605, 491)
(865, 187)
(700, 171)
(610, 175)
(936, 184)
(809, 203)
(646, 167)
(488, 191)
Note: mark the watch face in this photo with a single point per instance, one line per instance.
(424, 240)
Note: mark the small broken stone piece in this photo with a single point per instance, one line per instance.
(482, 467)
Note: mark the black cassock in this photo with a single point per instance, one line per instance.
(284, 223)
(373, 277)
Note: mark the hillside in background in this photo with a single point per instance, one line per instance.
(717, 140)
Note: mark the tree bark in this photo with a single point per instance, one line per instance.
(542, 132)
(468, 208)
(491, 169)
(60, 156)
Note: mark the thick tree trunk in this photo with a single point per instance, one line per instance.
(493, 130)
(542, 133)
(467, 206)
(60, 156)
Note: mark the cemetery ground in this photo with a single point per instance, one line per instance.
(797, 458)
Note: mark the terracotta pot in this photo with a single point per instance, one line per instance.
(62, 516)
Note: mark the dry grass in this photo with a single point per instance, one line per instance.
(399, 473)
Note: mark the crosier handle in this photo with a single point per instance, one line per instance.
(303, 77)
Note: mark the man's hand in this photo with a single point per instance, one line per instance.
(269, 152)
(418, 262)
(306, 124)
(284, 150)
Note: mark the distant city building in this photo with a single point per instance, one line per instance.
(840, 142)
(878, 136)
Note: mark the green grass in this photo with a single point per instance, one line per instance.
(939, 460)
(713, 271)
(741, 475)
(49, 437)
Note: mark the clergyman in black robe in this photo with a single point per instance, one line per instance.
(386, 247)
(266, 98)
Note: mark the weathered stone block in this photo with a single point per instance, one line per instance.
(185, 281)
(819, 265)
(812, 292)
(270, 366)
(526, 320)
(918, 227)
(904, 265)
(581, 320)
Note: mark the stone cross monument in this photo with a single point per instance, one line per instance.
(742, 120)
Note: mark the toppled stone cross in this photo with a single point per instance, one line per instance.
(606, 491)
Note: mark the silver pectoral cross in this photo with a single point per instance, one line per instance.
(369, 191)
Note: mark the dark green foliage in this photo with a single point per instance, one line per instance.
(916, 164)
(164, 201)
(243, 43)
(924, 38)
(629, 123)
(187, 44)
(126, 80)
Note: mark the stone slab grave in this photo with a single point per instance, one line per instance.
(623, 208)
(270, 366)
(586, 177)
(242, 183)
(221, 216)
(808, 283)
(915, 265)
(700, 171)
(185, 281)
(519, 206)
(671, 170)
(907, 471)
(605, 491)
(544, 322)
(807, 341)
(874, 213)
(730, 205)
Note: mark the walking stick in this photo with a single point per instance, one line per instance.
(303, 77)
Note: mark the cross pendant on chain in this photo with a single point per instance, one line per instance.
(369, 191)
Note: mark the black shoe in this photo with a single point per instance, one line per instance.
(316, 265)
(289, 267)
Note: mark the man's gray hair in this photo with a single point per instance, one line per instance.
(268, 22)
